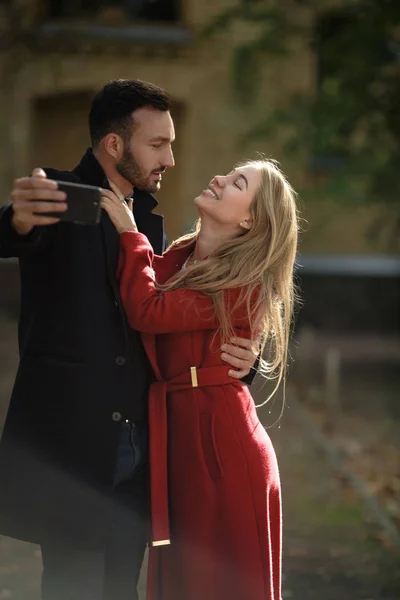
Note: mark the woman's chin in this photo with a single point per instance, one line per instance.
(199, 201)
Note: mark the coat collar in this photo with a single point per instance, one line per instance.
(91, 172)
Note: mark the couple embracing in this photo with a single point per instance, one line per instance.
(131, 398)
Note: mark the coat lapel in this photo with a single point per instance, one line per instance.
(111, 248)
(152, 225)
(90, 172)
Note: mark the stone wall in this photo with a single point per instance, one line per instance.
(46, 85)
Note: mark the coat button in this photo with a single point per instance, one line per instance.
(116, 416)
(120, 360)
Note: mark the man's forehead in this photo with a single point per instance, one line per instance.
(155, 124)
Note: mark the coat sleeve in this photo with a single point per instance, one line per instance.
(13, 244)
(150, 311)
(248, 379)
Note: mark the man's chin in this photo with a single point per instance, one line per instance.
(153, 187)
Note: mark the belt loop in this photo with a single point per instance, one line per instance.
(193, 375)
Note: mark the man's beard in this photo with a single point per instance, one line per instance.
(129, 169)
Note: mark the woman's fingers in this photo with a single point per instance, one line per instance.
(111, 203)
(109, 196)
(116, 190)
(118, 211)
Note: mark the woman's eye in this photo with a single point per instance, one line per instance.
(156, 145)
(237, 185)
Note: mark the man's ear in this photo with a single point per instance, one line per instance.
(114, 145)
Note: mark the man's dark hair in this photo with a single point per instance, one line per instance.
(112, 107)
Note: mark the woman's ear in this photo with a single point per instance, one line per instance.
(246, 224)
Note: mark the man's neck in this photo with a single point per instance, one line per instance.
(113, 175)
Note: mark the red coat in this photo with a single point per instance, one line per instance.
(215, 489)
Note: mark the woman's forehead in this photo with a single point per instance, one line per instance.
(252, 172)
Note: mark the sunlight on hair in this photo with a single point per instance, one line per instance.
(260, 264)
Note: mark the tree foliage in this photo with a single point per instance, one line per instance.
(350, 126)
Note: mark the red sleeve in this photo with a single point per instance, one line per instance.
(151, 311)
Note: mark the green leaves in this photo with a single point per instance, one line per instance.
(350, 127)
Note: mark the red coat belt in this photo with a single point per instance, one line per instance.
(202, 377)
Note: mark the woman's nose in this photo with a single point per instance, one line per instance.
(219, 180)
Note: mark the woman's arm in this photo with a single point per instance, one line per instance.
(150, 311)
(186, 310)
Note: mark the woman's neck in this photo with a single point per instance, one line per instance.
(209, 240)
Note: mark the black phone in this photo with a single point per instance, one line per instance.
(84, 203)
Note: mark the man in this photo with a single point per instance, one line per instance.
(73, 457)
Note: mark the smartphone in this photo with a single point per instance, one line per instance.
(84, 203)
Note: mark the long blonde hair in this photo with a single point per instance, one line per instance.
(260, 263)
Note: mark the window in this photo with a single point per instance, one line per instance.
(157, 10)
(135, 10)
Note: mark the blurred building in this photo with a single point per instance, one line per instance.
(56, 53)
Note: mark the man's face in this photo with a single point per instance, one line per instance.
(148, 153)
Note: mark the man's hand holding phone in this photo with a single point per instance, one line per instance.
(32, 198)
(38, 200)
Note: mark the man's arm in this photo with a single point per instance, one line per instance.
(23, 226)
(13, 244)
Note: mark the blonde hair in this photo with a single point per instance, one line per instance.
(260, 264)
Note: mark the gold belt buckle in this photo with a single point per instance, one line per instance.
(161, 543)
(193, 375)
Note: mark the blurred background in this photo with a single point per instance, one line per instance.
(314, 84)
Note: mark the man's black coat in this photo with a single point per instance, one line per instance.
(82, 371)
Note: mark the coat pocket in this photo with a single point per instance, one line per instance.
(209, 446)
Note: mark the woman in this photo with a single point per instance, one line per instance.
(215, 492)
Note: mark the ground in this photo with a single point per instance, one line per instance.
(331, 550)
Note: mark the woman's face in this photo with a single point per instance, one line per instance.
(228, 198)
